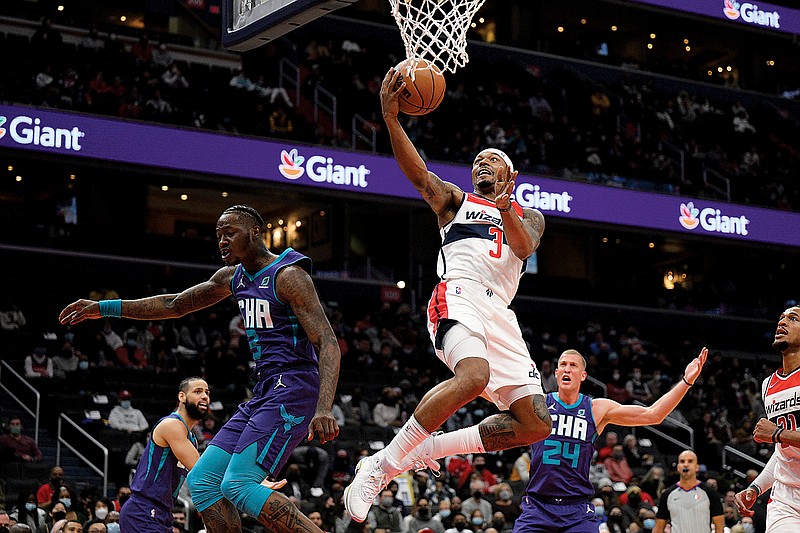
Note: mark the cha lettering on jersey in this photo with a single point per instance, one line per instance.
(256, 313)
(569, 426)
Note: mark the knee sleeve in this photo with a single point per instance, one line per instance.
(205, 478)
(461, 342)
(242, 482)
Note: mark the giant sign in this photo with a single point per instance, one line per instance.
(314, 167)
(756, 14)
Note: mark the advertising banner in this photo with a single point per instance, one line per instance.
(755, 14)
(313, 167)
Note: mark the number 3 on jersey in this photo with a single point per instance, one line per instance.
(556, 450)
(498, 240)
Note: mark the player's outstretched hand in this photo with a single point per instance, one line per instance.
(390, 93)
(745, 501)
(764, 431)
(274, 485)
(503, 188)
(694, 368)
(324, 425)
(80, 311)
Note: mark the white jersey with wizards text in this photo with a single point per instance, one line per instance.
(474, 247)
(782, 402)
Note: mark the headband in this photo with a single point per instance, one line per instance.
(504, 156)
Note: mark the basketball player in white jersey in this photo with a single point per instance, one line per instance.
(486, 238)
(781, 394)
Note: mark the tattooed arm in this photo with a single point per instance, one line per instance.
(295, 287)
(160, 306)
(523, 234)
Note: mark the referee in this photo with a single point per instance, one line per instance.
(689, 505)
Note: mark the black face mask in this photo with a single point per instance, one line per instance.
(123, 499)
(499, 525)
(424, 513)
(459, 526)
(59, 515)
(477, 495)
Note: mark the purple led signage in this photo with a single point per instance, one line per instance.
(755, 14)
(72, 134)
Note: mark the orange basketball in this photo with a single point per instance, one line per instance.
(425, 92)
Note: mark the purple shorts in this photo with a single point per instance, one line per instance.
(541, 515)
(143, 516)
(277, 417)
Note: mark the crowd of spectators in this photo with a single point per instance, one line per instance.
(387, 366)
(628, 129)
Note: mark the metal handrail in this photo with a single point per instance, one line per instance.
(728, 449)
(599, 384)
(674, 422)
(60, 440)
(682, 154)
(726, 192)
(34, 414)
(330, 108)
(372, 140)
(663, 435)
(289, 72)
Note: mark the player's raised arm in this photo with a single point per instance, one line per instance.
(157, 307)
(440, 195)
(610, 412)
(295, 287)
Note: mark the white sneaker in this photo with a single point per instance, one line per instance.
(421, 457)
(368, 482)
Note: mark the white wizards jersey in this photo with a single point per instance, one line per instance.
(474, 247)
(782, 402)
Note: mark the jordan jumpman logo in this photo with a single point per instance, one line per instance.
(279, 383)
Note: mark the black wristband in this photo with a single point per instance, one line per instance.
(777, 436)
(684, 380)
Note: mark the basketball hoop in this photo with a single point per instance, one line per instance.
(436, 30)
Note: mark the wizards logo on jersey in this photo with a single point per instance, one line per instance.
(483, 216)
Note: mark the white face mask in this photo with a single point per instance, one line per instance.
(101, 513)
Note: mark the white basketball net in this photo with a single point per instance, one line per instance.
(436, 30)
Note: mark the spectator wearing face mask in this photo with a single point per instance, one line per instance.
(385, 515)
(477, 500)
(21, 446)
(101, 509)
(125, 417)
(445, 514)
(616, 522)
(645, 521)
(499, 523)
(600, 510)
(617, 466)
(58, 512)
(27, 512)
(38, 365)
(45, 493)
(460, 419)
(422, 518)
(478, 521)
(459, 524)
(504, 504)
(484, 474)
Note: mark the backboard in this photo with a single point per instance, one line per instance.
(247, 24)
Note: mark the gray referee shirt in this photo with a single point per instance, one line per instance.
(690, 511)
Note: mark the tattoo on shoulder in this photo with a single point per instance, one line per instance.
(536, 219)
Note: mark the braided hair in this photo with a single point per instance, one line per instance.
(247, 211)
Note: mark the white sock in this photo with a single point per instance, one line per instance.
(458, 442)
(411, 435)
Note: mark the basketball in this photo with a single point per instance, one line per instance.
(425, 92)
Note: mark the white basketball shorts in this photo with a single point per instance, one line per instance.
(513, 374)
(783, 509)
